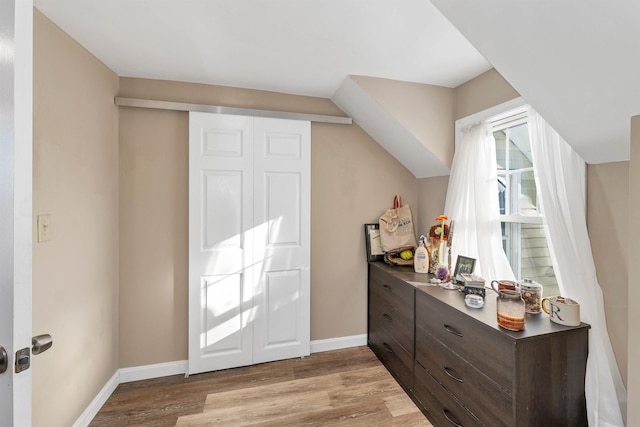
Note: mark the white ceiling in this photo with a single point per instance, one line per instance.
(576, 61)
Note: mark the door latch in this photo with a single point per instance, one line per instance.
(23, 360)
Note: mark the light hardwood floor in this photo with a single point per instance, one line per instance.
(347, 387)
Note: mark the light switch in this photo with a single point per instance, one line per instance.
(44, 228)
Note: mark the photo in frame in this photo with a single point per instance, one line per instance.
(372, 242)
(464, 265)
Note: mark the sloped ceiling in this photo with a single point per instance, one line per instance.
(575, 61)
(412, 121)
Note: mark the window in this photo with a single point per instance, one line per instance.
(523, 238)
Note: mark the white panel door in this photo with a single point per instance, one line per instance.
(249, 228)
(282, 248)
(220, 222)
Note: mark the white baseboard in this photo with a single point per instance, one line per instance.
(95, 405)
(319, 346)
(137, 373)
(158, 370)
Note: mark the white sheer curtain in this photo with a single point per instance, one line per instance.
(560, 178)
(472, 203)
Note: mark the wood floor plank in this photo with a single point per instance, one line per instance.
(400, 404)
(257, 411)
(346, 415)
(276, 392)
(364, 375)
(364, 393)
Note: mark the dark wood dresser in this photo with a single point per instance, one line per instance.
(462, 369)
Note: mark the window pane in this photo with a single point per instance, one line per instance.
(528, 253)
(513, 150)
(502, 193)
(519, 147)
(522, 194)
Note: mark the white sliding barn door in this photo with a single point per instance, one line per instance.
(249, 216)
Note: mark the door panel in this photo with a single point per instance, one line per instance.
(282, 202)
(220, 218)
(222, 196)
(281, 292)
(282, 194)
(223, 317)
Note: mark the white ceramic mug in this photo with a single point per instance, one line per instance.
(561, 310)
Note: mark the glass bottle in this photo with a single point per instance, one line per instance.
(532, 296)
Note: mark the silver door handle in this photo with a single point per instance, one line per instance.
(41, 343)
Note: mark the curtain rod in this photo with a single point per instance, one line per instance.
(203, 108)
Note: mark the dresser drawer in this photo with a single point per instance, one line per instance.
(480, 345)
(397, 321)
(484, 398)
(396, 292)
(441, 408)
(397, 359)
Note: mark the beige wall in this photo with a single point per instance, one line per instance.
(352, 181)
(432, 193)
(607, 219)
(75, 180)
(633, 373)
(485, 91)
(424, 110)
(153, 236)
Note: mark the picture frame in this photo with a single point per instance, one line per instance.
(372, 242)
(464, 265)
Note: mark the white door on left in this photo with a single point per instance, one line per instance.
(16, 52)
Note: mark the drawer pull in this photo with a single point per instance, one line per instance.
(449, 416)
(453, 330)
(387, 347)
(387, 317)
(387, 288)
(452, 374)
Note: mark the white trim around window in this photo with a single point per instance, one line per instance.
(487, 114)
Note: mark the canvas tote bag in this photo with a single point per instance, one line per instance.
(396, 227)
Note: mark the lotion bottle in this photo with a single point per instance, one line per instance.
(421, 258)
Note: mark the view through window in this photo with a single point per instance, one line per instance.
(523, 238)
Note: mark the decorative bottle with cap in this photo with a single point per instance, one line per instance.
(421, 258)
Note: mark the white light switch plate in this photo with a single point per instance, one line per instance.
(44, 228)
